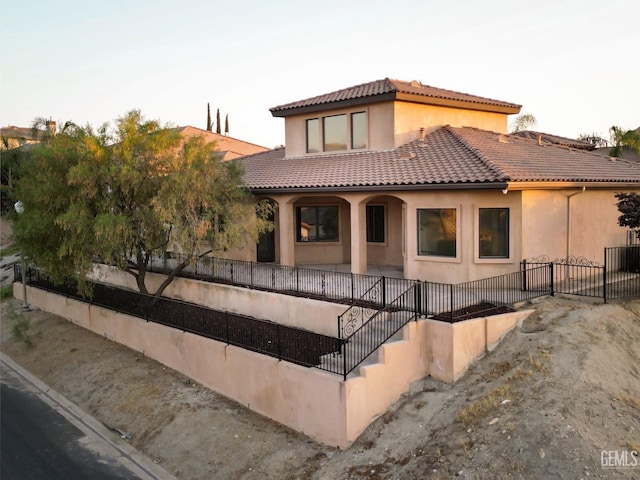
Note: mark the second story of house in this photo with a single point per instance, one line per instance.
(382, 115)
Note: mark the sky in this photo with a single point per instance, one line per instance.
(573, 64)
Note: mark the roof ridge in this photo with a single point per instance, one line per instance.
(486, 160)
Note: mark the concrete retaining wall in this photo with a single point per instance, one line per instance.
(316, 403)
(308, 314)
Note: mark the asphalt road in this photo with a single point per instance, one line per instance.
(42, 438)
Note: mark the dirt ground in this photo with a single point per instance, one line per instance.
(544, 404)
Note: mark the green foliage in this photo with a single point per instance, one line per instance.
(6, 292)
(629, 207)
(209, 124)
(621, 140)
(594, 139)
(524, 121)
(20, 327)
(218, 127)
(118, 197)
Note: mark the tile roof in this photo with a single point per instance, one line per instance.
(449, 157)
(555, 139)
(386, 89)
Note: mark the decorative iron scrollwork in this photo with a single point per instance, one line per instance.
(577, 261)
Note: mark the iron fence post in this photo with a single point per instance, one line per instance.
(344, 359)
(297, 279)
(604, 277)
(451, 302)
(523, 268)
(384, 292)
(551, 286)
(353, 295)
(226, 323)
(279, 343)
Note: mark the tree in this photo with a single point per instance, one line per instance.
(226, 124)
(624, 140)
(629, 207)
(218, 121)
(524, 121)
(209, 124)
(594, 139)
(120, 197)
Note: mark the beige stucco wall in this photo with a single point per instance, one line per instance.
(299, 312)
(538, 226)
(316, 403)
(593, 223)
(391, 124)
(409, 117)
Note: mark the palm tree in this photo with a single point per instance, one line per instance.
(524, 121)
(621, 140)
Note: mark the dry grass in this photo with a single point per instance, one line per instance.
(485, 406)
(629, 400)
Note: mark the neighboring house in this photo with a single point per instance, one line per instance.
(229, 147)
(14, 137)
(427, 180)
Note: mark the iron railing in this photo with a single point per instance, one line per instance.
(365, 339)
(621, 272)
(573, 275)
(455, 302)
(371, 320)
(342, 287)
(269, 338)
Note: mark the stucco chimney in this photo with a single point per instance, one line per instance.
(422, 133)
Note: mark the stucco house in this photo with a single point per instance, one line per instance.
(428, 181)
(228, 147)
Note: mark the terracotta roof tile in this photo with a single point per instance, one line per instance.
(389, 86)
(448, 156)
(555, 139)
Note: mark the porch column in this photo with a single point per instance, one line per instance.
(287, 232)
(358, 236)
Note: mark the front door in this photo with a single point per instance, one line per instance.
(267, 245)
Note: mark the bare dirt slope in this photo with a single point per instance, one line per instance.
(544, 404)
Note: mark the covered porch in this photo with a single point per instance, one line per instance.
(349, 233)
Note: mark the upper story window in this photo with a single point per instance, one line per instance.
(338, 132)
(313, 135)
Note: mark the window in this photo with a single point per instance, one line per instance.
(437, 230)
(493, 229)
(358, 130)
(375, 223)
(317, 224)
(335, 131)
(313, 135)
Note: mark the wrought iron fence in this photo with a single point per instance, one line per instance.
(622, 272)
(363, 339)
(573, 275)
(371, 320)
(269, 338)
(340, 287)
(455, 302)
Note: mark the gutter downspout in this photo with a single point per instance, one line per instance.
(569, 216)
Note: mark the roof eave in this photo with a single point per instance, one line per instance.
(385, 188)
(547, 185)
(322, 107)
(468, 105)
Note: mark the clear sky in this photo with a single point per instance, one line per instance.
(573, 64)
